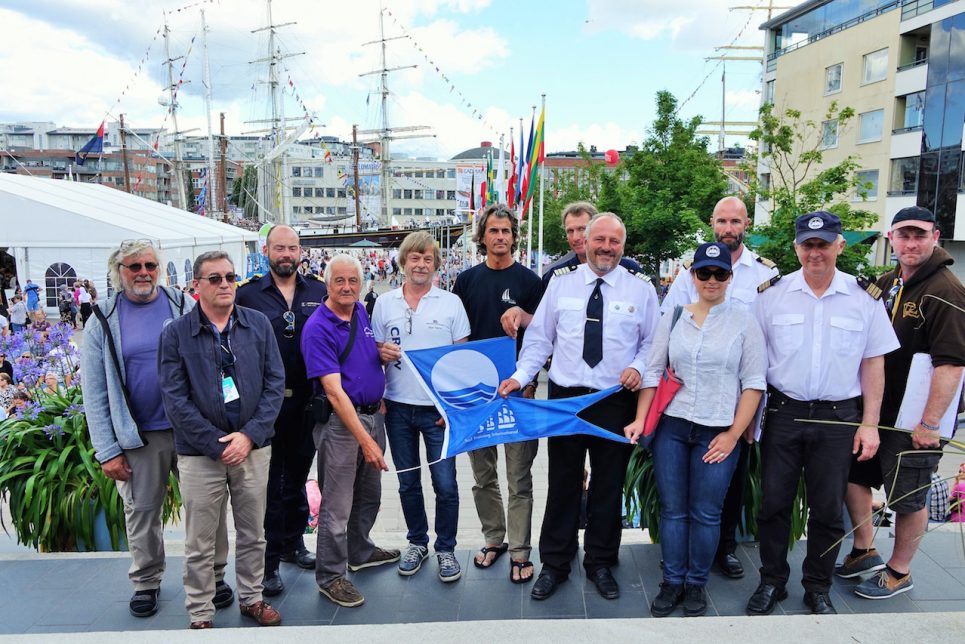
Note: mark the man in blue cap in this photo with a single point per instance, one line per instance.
(826, 337)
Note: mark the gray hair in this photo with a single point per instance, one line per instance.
(342, 258)
(576, 209)
(128, 248)
(606, 215)
(209, 256)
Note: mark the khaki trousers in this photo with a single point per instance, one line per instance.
(518, 516)
(205, 485)
(143, 494)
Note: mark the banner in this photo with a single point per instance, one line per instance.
(468, 178)
(463, 379)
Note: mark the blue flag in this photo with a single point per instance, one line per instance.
(94, 145)
(463, 379)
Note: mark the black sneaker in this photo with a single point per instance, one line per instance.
(144, 602)
(695, 601)
(223, 595)
(669, 598)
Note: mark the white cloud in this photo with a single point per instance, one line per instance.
(743, 98)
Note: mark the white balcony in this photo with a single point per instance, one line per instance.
(910, 79)
(906, 144)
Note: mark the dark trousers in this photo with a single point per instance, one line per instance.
(823, 452)
(292, 453)
(559, 537)
(730, 517)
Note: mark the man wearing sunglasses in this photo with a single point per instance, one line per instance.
(287, 298)
(729, 221)
(129, 429)
(222, 381)
(924, 301)
(826, 337)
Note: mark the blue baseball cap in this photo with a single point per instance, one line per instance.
(817, 225)
(712, 254)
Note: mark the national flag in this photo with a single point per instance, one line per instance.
(328, 155)
(472, 195)
(513, 177)
(490, 181)
(499, 191)
(96, 144)
(520, 169)
(462, 380)
(535, 156)
(524, 198)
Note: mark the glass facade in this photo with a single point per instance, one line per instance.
(823, 18)
(943, 117)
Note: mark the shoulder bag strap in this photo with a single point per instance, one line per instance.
(351, 337)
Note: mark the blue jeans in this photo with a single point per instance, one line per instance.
(691, 497)
(403, 425)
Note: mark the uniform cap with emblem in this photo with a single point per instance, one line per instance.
(817, 225)
(914, 216)
(712, 254)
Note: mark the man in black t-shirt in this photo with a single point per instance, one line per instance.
(487, 291)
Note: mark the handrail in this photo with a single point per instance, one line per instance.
(836, 28)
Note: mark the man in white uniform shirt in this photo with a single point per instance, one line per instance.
(420, 316)
(826, 341)
(597, 322)
(729, 222)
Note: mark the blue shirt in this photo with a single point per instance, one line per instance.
(141, 326)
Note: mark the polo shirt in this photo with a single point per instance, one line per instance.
(439, 320)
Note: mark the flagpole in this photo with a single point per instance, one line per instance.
(542, 178)
(529, 225)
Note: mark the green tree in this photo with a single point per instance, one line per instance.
(669, 189)
(793, 148)
(244, 192)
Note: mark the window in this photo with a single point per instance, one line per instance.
(829, 134)
(342, 210)
(297, 192)
(188, 272)
(397, 211)
(769, 92)
(329, 210)
(407, 211)
(904, 176)
(307, 171)
(875, 66)
(318, 171)
(297, 210)
(319, 192)
(450, 195)
(407, 194)
(341, 193)
(765, 181)
(867, 184)
(451, 173)
(309, 210)
(296, 171)
(869, 126)
(172, 274)
(57, 275)
(440, 194)
(914, 110)
(832, 79)
(396, 193)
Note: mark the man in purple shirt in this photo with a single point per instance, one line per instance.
(339, 349)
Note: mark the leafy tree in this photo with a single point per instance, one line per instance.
(670, 188)
(792, 147)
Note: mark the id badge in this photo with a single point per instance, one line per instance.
(228, 389)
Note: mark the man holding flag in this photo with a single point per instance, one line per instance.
(596, 321)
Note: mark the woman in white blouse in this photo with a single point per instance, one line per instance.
(717, 350)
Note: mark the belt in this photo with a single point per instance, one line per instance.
(368, 410)
(574, 391)
(777, 396)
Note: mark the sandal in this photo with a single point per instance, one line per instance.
(519, 566)
(498, 550)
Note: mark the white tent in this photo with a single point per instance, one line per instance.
(59, 231)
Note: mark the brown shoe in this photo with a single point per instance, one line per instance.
(377, 558)
(261, 612)
(199, 625)
(342, 592)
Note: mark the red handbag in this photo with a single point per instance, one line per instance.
(667, 388)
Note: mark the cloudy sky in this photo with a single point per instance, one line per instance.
(599, 62)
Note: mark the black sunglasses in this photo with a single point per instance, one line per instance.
(137, 266)
(719, 274)
(214, 280)
(289, 318)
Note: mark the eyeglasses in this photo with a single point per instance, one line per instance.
(215, 280)
(137, 266)
(289, 318)
(408, 321)
(893, 294)
(704, 274)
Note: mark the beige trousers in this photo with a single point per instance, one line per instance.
(205, 485)
(518, 516)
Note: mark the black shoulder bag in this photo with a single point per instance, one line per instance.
(320, 406)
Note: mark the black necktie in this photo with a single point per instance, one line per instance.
(593, 329)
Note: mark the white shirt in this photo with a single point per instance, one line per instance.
(629, 319)
(439, 320)
(815, 345)
(748, 275)
(715, 362)
(83, 296)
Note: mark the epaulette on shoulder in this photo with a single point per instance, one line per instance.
(768, 284)
(564, 270)
(311, 276)
(254, 278)
(766, 262)
(868, 286)
(687, 264)
(639, 275)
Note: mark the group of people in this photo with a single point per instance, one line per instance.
(241, 392)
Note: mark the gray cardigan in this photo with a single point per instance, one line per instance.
(110, 424)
